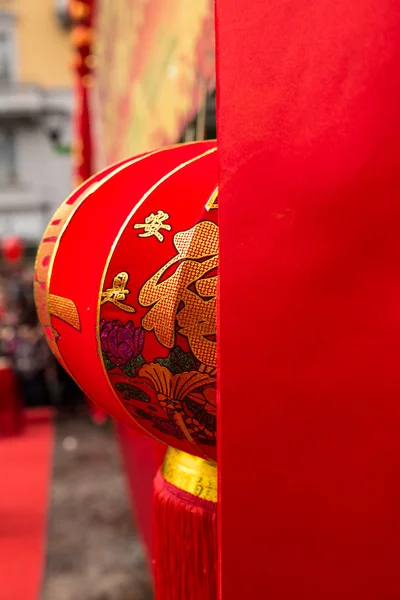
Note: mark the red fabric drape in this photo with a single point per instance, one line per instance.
(309, 212)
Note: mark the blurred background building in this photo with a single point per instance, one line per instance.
(36, 102)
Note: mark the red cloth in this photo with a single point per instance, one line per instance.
(25, 474)
(309, 209)
(11, 413)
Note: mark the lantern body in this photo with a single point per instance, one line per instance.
(125, 285)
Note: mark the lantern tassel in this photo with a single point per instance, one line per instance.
(185, 526)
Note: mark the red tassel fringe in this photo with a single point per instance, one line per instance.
(185, 544)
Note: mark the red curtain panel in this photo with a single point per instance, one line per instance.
(309, 323)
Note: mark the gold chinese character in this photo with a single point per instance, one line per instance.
(188, 295)
(117, 294)
(152, 225)
(212, 203)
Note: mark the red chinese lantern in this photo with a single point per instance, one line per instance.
(127, 273)
(13, 249)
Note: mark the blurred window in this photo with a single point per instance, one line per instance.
(7, 157)
(6, 56)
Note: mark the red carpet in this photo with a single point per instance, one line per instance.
(25, 473)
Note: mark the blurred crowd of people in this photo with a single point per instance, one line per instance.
(41, 380)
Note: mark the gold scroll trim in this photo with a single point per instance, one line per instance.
(64, 309)
(191, 474)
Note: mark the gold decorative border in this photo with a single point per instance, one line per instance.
(116, 241)
(191, 474)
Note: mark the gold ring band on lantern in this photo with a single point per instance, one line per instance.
(191, 474)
